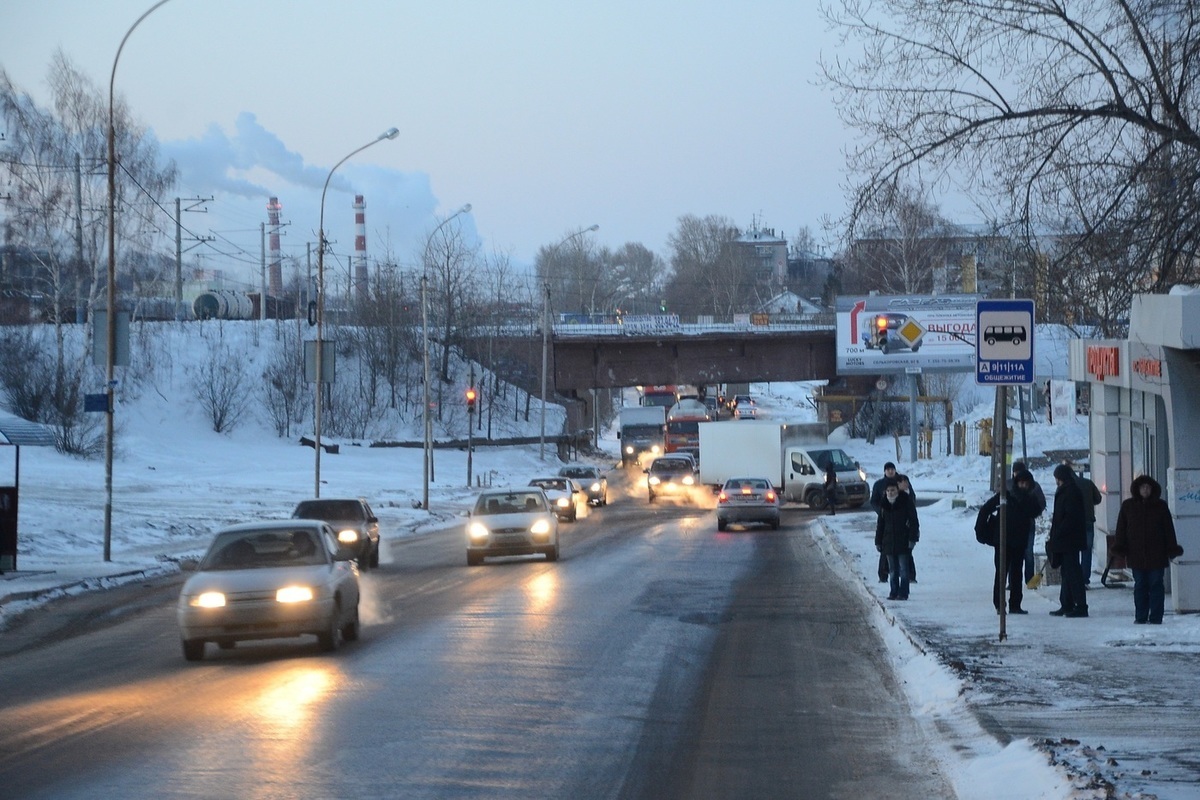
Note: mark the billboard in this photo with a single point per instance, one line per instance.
(893, 333)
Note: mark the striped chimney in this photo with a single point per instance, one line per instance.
(275, 288)
(360, 250)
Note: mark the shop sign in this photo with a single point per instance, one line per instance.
(1103, 362)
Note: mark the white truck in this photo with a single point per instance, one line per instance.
(793, 457)
(641, 431)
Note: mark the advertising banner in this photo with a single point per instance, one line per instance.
(893, 333)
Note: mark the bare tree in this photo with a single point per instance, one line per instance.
(54, 159)
(711, 274)
(450, 261)
(283, 391)
(1080, 116)
(900, 244)
(220, 385)
(638, 277)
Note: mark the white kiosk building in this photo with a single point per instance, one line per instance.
(1145, 419)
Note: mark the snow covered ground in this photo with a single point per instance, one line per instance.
(175, 481)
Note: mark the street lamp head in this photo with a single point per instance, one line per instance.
(390, 133)
(594, 228)
(464, 209)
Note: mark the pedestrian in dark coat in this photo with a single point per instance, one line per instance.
(897, 531)
(901, 480)
(1018, 517)
(1039, 498)
(1068, 538)
(1091, 498)
(831, 482)
(1146, 538)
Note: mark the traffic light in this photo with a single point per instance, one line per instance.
(471, 395)
(662, 306)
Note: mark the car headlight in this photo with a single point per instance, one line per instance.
(596, 486)
(540, 527)
(628, 449)
(688, 480)
(654, 480)
(294, 594)
(477, 531)
(208, 600)
(562, 502)
(862, 474)
(348, 536)
(656, 449)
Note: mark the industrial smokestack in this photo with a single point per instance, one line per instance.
(275, 289)
(360, 250)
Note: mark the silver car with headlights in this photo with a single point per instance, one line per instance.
(270, 580)
(564, 494)
(744, 500)
(353, 521)
(592, 479)
(511, 522)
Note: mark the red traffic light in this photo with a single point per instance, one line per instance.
(471, 395)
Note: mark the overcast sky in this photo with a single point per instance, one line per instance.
(546, 116)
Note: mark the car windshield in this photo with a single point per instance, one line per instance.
(579, 472)
(747, 485)
(671, 465)
(556, 484)
(328, 510)
(254, 549)
(510, 503)
(841, 462)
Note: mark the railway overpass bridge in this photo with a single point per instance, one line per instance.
(582, 360)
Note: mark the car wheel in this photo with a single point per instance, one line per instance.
(574, 515)
(552, 554)
(331, 638)
(721, 524)
(604, 500)
(375, 554)
(775, 524)
(193, 649)
(364, 561)
(351, 628)
(813, 500)
(474, 559)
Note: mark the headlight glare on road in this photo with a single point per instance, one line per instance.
(294, 594)
(348, 536)
(208, 600)
(477, 531)
(540, 527)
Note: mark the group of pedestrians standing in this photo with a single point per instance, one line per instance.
(1145, 537)
(897, 530)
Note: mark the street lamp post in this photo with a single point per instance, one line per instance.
(111, 317)
(390, 133)
(546, 337)
(427, 420)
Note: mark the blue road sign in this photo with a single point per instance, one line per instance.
(1004, 342)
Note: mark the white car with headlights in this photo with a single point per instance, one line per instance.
(270, 580)
(564, 494)
(511, 522)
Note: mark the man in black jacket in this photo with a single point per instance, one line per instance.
(1019, 514)
(1068, 537)
(1039, 504)
(897, 532)
(890, 475)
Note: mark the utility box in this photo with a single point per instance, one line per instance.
(8, 528)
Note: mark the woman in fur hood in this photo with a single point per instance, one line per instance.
(1146, 539)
